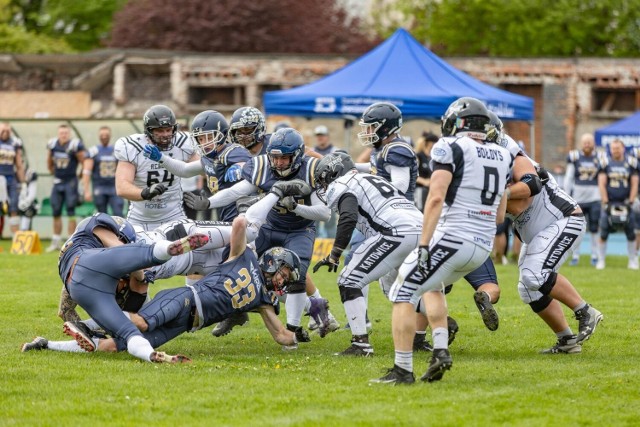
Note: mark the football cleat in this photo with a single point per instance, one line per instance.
(81, 333)
(488, 313)
(588, 319)
(359, 347)
(420, 343)
(39, 343)
(187, 244)
(452, 326)
(395, 375)
(162, 357)
(224, 327)
(319, 312)
(565, 345)
(440, 361)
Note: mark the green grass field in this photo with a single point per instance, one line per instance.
(498, 378)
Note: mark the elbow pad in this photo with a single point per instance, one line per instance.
(533, 182)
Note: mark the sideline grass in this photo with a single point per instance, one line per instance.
(498, 378)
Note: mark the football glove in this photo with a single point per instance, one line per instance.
(295, 187)
(199, 203)
(289, 203)
(152, 152)
(424, 259)
(153, 191)
(233, 173)
(332, 261)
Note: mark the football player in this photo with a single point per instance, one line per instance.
(618, 184)
(291, 222)
(550, 224)
(101, 250)
(99, 169)
(390, 225)
(64, 155)
(463, 206)
(581, 183)
(12, 169)
(154, 192)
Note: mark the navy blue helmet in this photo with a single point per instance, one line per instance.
(273, 260)
(286, 142)
(209, 129)
(251, 120)
(378, 122)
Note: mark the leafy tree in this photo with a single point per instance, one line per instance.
(534, 28)
(287, 26)
(54, 26)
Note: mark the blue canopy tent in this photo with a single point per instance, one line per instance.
(627, 130)
(401, 71)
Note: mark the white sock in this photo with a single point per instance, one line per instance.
(594, 245)
(356, 311)
(307, 304)
(404, 360)
(55, 239)
(316, 294)
(631, 249)
(161, 250)
(139, 347)
(602, 250)
(294, 306)
(440, 338)
(68, 346)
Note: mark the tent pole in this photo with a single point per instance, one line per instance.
(532, 138)
(348, 125)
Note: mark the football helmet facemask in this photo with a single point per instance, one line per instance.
(286, 142)
(273, 261)
(329, 168)
(209, 129)
(378, 122)
(156, 117)
(251, 121)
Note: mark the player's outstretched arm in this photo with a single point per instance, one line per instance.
(280, 334)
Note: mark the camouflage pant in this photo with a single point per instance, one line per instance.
(67, 307)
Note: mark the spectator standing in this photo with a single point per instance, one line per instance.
(581, 183)
(65, 154)
(99, 171)
(12, 170)
(323, 147)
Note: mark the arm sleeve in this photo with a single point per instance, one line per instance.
(363, 167)
(230, 195)
(180, 168)
(257, 214)
(32, 191)
(348, 211)
(318, 211)
(568, 178)
(400, 177)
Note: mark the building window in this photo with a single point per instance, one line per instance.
(216, 96)
(608, 100)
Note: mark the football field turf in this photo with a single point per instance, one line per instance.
(498, 378)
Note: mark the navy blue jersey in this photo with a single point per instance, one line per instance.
(104, 166)
(65, 162)
(8, 151)
(215, 170)
(619, 174)
(398, 153)
(237, 285)
(586, 167)
(83, 239)
(259, 173)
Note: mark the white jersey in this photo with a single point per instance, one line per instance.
(381, 207)
(480, 175)
(547, 207)
(201, 261)
(167, 206)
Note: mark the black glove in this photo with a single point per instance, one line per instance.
(332, 261)
(295, 187)
(301, 334)
(199, 203)
(424, 259)
(289, 203)
(153, 191)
